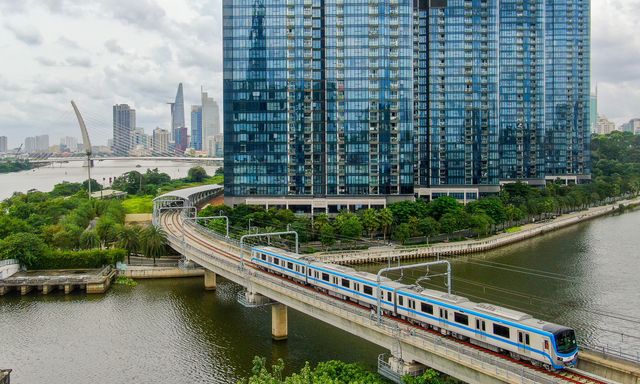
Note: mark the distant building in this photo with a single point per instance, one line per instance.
(30, 144)
(69, 144)
(593, 112)
(124, 122)
(196, 127)
(3, 144)
(181, 139)
(42, 143)
(215, 145)
(177, 111)
(161, 139)
(605, 126)
(139, 139)
(633, 126)
(210, 119)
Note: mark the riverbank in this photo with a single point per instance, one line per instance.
(473, 246)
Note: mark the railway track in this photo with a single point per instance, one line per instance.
(172, 222)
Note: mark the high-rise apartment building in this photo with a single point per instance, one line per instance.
(210, 119)
(3, 144)
(593, 112)
(42, 143)
(69, 144)
(177, 111)
(196, 127)
(336, 100)
(181, 140)
(124, 122)
(161, 139)
(568, 88)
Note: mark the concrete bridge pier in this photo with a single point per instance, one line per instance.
(210, 280)
(47, 288)
(5, 289)
(24, 289)
(279, 322)
(68, 288)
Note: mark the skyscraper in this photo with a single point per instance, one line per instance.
(328, 100)
(124, 122)
(196, 127)
(568, 87)
(210, 119)
(181, 140)
(42, 143)
(177, 111)
(320, 103)
(3, 144)
(30, 145)
(69, 143)
(593, 112)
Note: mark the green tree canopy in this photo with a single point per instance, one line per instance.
(197, 174)
(25, 247)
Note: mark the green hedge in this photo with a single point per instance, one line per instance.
(93, 258)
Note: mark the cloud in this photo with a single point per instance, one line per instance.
(84, 62)
(114, 47)
(68, 43)
(26, 33)
(46, 62)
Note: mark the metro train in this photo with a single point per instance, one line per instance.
(498, 329)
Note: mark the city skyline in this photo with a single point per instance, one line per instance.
(136, 43)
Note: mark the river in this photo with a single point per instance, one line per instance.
(43, 179)
(585, 276)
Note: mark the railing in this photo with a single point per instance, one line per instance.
(421, 339)
(617, 352)
(8, 262)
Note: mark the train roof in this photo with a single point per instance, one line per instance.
(443, 296)
(279, 251)
(337, 268)
(498, 311)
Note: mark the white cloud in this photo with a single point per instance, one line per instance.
(26, 33)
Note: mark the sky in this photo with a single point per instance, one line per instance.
(105, 52)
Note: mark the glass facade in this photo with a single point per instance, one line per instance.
(568, 83)
(360, 97)
(463, 93)
(196, 127)
(318, 97)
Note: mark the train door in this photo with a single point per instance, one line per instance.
(444, 315)
(481, 329)
(523, 341)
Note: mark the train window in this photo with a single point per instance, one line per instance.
(325, 276)
(276, 261)
(368, 290)
(501, 330)
(400, 300)
(480, 324)
(520, 338)
(356, 286)
(345, 283)
(526, 339)
(290, 265)
(263, 257)
(335, 280)
(426, 308)
(388, 296)
(444, 313)
(461, 318)
(304, 270)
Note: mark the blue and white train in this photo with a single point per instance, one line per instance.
(498, 329)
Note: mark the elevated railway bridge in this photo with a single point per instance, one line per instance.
(410, 347)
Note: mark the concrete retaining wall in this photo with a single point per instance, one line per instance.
(160, 272)
(8, 270)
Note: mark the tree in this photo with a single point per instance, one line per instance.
(131, 182)
(443, 205)
(480, 223)
(154, 241)
(95, 186)
(327, 235)
(197, 174)
(106, 230)
(492, 206)
(370, 221)
(402, 233)
(428, 226)
(348, 225)
(129, 239)
(89, 240)
(67, 189)
(385, 217)
(9, 225)
(25, 247)
(413, 224)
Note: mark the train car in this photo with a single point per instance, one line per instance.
(492, 327)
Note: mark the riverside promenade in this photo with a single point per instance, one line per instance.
(527, 231)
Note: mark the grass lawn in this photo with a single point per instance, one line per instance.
(138, 204)
(513, 229)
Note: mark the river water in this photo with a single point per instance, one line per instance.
(162, 331)
(43, 179)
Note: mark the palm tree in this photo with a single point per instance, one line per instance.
(129, 238)
(154, 241)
